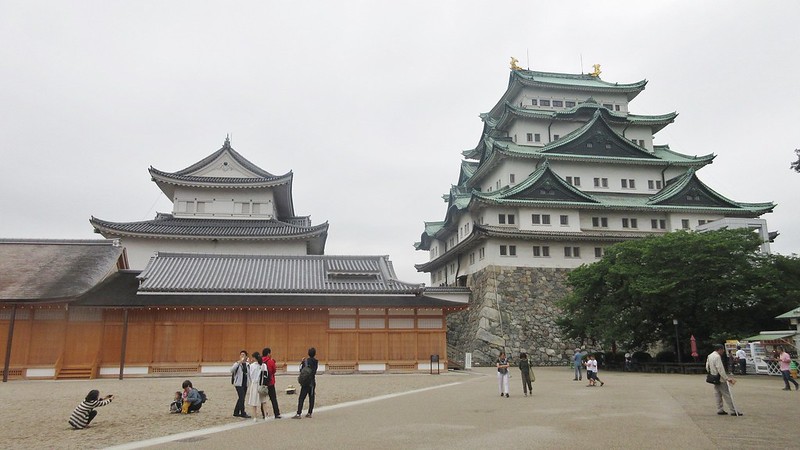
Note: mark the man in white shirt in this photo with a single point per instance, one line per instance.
(741, 356)
(714, 366)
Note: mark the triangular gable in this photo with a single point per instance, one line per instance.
(225, 163)
(542, 185)
(596, 138)
(688, 190)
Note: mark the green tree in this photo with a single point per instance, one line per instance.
(715, 283)
(796, 165)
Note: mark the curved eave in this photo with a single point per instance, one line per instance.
(107, 229)
(512, 112)
(165, 181)
(602, 159)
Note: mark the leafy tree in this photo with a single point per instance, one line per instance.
(796, 164)
(715, 283)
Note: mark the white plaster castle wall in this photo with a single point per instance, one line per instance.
(140, 250)
(224, 203)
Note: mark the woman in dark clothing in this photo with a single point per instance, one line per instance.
(309, 387)
(525, 368)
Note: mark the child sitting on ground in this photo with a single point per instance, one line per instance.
(175, 406)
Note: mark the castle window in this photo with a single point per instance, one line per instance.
(537, 137)
(601, 182)
(598, 252)
(608, 106)
(569, 104)
(572, 252)
(600, 222)
(685, 224)
(508, 250)
(472, 258)
(481, 253)
(544, 102)
(540, 219)
(556, 136)
(541, 252)
(564, 219)
(530, 137)
(512, 178)
(616, 107)
(558, 103)
(534, 102)
(501, 219)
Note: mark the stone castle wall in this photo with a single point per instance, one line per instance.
(513, 309)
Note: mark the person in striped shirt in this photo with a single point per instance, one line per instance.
(84, 412)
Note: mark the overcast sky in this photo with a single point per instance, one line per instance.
(369, 103)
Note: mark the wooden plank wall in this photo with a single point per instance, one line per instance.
(207, 336)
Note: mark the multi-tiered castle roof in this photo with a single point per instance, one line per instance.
(567, 146)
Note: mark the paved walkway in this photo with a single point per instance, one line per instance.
(630, 411)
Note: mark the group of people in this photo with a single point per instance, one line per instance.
(591, 368)
(526, 372)
(253, 376)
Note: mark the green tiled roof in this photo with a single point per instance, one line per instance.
(511, 112)
(582, 81)
(790, 315)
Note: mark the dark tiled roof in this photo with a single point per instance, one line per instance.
(246, 274)
(47, 270)
(120, 290)
(203, 180)
(166, 225)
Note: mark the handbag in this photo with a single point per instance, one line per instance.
(713, 379)
(531, 374)
(263, 388)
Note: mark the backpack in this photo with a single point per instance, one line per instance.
(203, 396)
(306, 374)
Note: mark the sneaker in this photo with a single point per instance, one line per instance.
(525, 394)
(786, 389)
(501, 394)
(601, 384)
(245, 416)
(308, 415)
(575, 379)
(722, 413)
(737, 413)
(796, 387)
(506, 394)
(278, 416)
(297, 416)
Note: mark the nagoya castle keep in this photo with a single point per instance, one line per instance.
(562, 169)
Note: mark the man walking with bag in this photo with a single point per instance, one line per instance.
(716, 369)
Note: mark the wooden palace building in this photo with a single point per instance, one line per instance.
(232, 267)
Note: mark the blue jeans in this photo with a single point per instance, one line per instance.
(578, 373)
(787, 378)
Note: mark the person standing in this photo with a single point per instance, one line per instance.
(714, 366)
(309, 387)
(271, 367)
(525, 369)
(84, 413)
(785, 360)
(577, 360)
(741, 358)
(239, 380)
(254, 375)
(502, 373)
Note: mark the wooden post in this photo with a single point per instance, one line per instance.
(8, 344)
(124, 341)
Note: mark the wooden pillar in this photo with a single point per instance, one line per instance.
(8, 343)
(124, 342)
